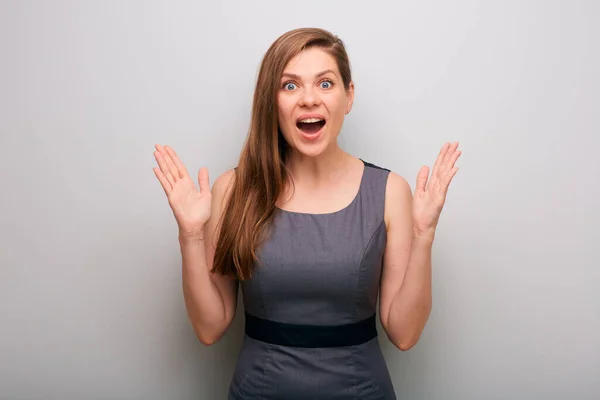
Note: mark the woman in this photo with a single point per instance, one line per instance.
(312, 235)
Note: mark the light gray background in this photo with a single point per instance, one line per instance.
(90, 291)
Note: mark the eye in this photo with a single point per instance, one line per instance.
(326, 84)
(289, 86)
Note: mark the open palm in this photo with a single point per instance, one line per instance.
(190, 206)
(430, 193)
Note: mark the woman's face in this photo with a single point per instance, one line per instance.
(312, 102)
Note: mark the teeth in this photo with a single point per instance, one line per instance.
(311, 120)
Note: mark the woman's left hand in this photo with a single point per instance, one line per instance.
(430, 194)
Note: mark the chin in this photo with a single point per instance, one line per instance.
(310, 151)
(313, 145)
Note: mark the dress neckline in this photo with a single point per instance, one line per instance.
(349, 205)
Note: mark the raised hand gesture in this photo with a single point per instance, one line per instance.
(430, 194)
(190, 206)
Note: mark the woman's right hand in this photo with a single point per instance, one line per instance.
(190, 206)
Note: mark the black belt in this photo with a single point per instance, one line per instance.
(295, 335)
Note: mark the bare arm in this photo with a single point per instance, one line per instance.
(411, 223)
(210, 299)
(406, 282)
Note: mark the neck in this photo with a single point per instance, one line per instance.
(322, 169)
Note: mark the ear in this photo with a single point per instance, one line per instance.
(350, 95)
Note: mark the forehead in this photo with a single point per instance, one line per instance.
(311, 62)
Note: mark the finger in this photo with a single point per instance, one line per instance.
(440, 158)
(163, 180)
(164, 167)
(450, 152)
(178, 164)
(449, 178)
(448, 159)
(169, 162)
(203, 181)
(454, 158)
(422, 177)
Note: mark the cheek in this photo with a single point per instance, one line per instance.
(284, 117)
(337, 107)
(285, 110)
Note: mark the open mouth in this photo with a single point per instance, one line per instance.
(310, 126)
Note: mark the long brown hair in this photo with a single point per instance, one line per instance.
(261, 173)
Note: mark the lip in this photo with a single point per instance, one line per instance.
(305, 116)
(311, 136)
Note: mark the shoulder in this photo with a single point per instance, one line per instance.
(398, 194)
(220, 193)
(375, 167)
(395, 185)
(223, 184)
(398, 200)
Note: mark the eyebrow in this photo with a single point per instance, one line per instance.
(294, 76)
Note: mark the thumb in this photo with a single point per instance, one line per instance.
(203, 181)
(422, 177)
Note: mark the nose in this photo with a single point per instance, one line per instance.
(309, 97)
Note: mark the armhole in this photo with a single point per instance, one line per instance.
(380, 186)
(368, 164)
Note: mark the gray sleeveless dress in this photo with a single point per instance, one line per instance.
(311, 304)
